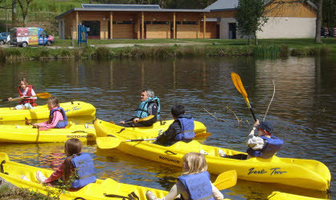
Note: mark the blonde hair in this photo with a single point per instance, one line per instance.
(194, 163)
(53, 101)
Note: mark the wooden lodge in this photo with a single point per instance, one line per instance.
(129, 21)
(134, 21)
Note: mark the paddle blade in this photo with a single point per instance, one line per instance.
(226, 180)
(43, 95)
(146, 118)
(107, 142)
(202, 135)
(238, 83)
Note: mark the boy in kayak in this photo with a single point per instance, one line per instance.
(182, 129)
(27, 96)
(194, 183)
(76, 171)
(57, 117)
(264, 145)
(150, 105)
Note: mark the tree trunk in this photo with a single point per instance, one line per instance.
(318, 22)
(255, 38)
(14, 13)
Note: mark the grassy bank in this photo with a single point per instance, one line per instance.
(220, 48)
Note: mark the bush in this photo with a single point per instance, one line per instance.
(3, 54)
(103, 52)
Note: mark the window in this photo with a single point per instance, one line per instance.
(94, 27)
(190, 22)
(125, 22)
(160, 22)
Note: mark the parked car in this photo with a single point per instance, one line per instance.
(24, 36)
(3, 37)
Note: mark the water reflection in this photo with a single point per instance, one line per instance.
(302, 111)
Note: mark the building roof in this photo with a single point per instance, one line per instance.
(129, 8)
(221, 5)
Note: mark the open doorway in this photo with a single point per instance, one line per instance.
(232, 30)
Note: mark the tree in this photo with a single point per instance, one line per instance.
(24, 5)
(319, 21)
(250, 17)
(14, 13)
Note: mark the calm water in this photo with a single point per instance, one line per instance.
(302, 112)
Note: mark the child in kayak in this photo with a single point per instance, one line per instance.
(260, 141)
(57, 117)
(76, 171)
(182, 129)
(27, 96)
(194, 178)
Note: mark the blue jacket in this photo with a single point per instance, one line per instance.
(84, 168)
(197, 185)
(142, 110)
(60, 124)
(187, 128)
(272, 145)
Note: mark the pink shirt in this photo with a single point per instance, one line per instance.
(57, 116)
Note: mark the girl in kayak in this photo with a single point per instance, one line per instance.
(76, 171)
(27, 96)
(194, 183)
(57, 117)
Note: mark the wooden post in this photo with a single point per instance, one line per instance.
(138, 27)
(76, 25)
(174, 26)
(204, 25)
(142, 25)
(111, 25)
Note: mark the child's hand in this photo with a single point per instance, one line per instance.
(10, 99)
(43, 128)
(256, 123)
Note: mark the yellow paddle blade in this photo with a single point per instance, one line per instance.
(146, 118)
(226, 180)
(240, 87)
(202, 135)
(107, 142)
(43, 95)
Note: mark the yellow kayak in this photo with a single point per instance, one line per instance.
(150, 131)
(72, 109)
(28, 134)
(303, 173)
(286, 196)
(102, 189)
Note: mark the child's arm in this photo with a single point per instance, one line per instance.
(216, 193)
(58, 173)
(57, 116)
(33, 94)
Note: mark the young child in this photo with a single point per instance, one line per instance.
(25, 90)
(181, 129)
(77, 170)
(264, 145)
(57, 116)
(194, 178)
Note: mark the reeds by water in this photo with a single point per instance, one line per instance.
(174, 51)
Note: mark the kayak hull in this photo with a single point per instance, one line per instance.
(286, 196)
(150, 131)
(28, 134)
(91, 191)
(308, 174)
(72, 109)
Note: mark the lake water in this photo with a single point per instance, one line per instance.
(302, 112)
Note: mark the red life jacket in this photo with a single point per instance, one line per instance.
(29, 93)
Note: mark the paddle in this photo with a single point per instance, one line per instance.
(240, 87)
(140, 120)
(113, 142)
(202, 135)
(42, 95)
(226, 180)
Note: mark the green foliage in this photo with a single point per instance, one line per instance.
(271, 51)
(103, 52)
(250, 17)
(44, 52)
(3, 54)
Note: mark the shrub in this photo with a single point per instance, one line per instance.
(103, 52)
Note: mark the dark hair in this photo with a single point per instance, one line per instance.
(54, 100)
(177, 110)
(72, 147)
(25, 81)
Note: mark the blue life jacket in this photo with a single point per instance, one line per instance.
(188, 127)
(272, 145)
(142, 110)
(198, 185)
(61, 124)
(84, 168)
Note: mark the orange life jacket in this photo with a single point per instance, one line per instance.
(29, 93)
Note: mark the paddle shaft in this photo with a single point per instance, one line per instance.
(138, 140)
